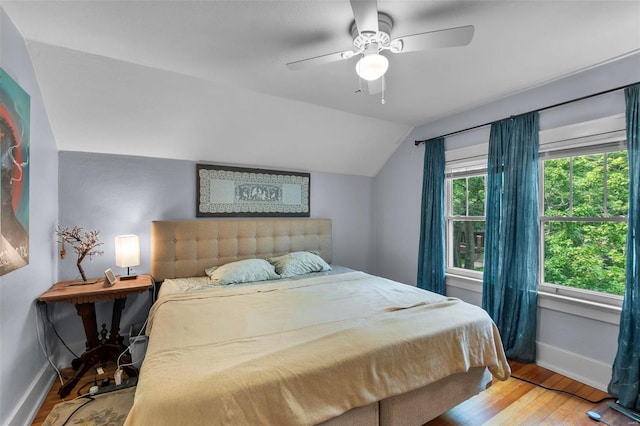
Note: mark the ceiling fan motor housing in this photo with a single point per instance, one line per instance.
(381, 38)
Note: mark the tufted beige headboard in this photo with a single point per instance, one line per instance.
(185, 248)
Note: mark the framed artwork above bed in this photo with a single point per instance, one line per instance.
(223, 191)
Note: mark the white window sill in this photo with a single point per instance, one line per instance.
(464, 282)
(571, 305)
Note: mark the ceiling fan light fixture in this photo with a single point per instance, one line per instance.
(372, 66)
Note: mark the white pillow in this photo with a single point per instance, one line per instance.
(242, 271)
(298, 263)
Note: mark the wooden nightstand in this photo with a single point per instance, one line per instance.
(99, 347)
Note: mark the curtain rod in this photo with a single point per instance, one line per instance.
(604, 92)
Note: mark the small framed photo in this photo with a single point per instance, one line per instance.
(109, 278)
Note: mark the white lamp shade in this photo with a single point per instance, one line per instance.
(372, 66)
(127, 251)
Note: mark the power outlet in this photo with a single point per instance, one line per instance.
(126, 383)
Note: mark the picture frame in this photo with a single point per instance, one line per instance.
(109, 278)
(225, 191)
(15, 130)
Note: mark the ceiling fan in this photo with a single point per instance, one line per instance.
(371, 36)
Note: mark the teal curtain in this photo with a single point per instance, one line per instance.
(431, 263)
(625, 380)
(510, 277)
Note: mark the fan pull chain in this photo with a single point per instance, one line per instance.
(382, 101)
(359, 85)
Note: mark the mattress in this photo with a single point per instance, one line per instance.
(302, 351)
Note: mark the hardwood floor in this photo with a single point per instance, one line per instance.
(85, 383)
(515, 402)
(512, 402)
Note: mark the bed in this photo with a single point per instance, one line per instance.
(332, 347)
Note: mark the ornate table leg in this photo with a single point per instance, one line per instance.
(99, 350)
(116, 339)
(87, 360)
(114, 336)
(87, 311)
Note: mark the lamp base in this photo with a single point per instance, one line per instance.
(128, 277)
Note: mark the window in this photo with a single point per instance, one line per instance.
(465, 220)
(584, 191)
(583, 224)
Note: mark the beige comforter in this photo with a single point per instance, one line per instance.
(301, 352)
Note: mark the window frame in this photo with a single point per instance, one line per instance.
(582, 138)
(450, 218)
(611, 142)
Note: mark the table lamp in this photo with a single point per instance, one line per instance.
(127, 253)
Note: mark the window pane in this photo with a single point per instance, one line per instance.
(617, 183)
(588, 186)
(459, 207)
(468, 244)
(476, 196)
(556, 187)
(587, 255)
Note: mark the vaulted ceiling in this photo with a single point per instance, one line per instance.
(206, 80)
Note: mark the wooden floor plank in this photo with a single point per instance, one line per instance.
(547, 404)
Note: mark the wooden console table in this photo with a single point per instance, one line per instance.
(99, 347)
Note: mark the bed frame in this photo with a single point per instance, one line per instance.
(185, 248)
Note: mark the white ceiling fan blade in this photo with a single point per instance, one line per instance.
(452, 37)
(365, 13)
(319, 60)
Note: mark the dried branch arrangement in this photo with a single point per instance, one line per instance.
(83, 244)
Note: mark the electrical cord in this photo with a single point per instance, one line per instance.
(564, 391)
(44, 350)
(46, 311)
(89, 399)
(94, 382)
(128, 349)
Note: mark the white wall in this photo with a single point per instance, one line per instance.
(565, 340)
(24, 377)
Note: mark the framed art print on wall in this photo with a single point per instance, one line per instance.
(224, 191)
(14, 154)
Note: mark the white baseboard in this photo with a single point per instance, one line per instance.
(585, 370)
(30, 403)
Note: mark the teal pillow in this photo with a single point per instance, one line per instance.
(242, 271)
(298, 263)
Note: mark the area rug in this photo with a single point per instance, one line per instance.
(108, 409)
